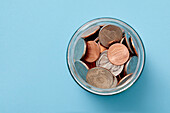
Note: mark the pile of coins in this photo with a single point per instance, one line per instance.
(105, 56)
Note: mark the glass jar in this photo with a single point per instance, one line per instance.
(139, 46)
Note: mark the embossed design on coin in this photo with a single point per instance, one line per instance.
(100, 77)
(103, 61)
(80, 49)
(118, 54)
(109, 34)
(93, 51)
(131, 65)
(125, 79)
(81, 68)
(132, 45)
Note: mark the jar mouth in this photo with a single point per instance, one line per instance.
(117, 89)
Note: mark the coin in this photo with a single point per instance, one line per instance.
(124, 79)
(102, 48)
(89, 32)
(93, 51)
(118, 54)
(131, 65)
(132, 45)
(100, 77)
(81, 68)
(109, 34)
(80, 49)
(104, 62)
(126, 43)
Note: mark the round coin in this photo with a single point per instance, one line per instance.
(124, 79)
(109, 34)
(104, 62)
(90, 31)
(80, 49)
(92, 52)
(132, 45)
(81, 68)
(100, 78)
(118, 54)
(131, 65)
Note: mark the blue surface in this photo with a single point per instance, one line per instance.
(34, 35)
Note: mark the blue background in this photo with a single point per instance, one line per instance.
(34, 35)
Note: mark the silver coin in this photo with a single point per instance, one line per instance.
(103, 61)
(80, 49)
(131, 65)
(125, 79)
(81, 68)
(100, 77)
(133, 46)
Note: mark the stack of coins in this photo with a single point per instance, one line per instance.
(105, 56)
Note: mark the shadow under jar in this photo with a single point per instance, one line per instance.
(73, 58)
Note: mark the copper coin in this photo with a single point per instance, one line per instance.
(90, 31)
(102, 48)
(131, 65)
(126, 43)
(132, 45)
(109, 34)
(92, 52)
(118, 54)
(80, 49)
(104, 62)
(100, 78)
(125, 79)
(81, 68)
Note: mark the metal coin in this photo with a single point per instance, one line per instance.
(89, 32)
(124, 79)
(131, 65)
(126, 43)
(92, 52)
(100, 77)
(80, 49)
(109, 34)
(118, 54)
(103, 61)
(132, 45)
(81, 68)
(102, 48)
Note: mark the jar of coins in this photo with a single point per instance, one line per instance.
(105, 56)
